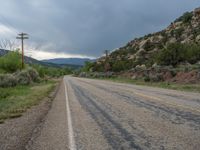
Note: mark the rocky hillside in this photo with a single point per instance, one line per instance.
(141, 51)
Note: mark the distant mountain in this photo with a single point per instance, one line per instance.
(72, 61)
(30, 60)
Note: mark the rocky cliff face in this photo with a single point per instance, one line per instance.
(185, 29)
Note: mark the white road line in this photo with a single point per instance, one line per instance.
(72, 144)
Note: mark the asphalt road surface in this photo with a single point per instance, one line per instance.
(101, 115)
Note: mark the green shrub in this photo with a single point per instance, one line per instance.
(178, 32)
(11, 62)
(147, 79)
(33, 74)
(44, 71)
(118, 66)
(88, 66)
(172, 55)
(186, 18)
(176, 53)
(192, 53)
(24, 77)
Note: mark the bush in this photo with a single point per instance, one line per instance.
(186, 18)
(177, 32)
(24, 77)
(27, 76)
(33, 74)
(172, 55)
(192, 53)
(156, 78)
(146, 79)
(88, 66)
(7, 80)
(11, 62)
(176, 53)
(51, 71)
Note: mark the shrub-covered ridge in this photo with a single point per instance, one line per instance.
(178, 43)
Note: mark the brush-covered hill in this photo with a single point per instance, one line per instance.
(31, 61)
(178, 43)
(71, 61)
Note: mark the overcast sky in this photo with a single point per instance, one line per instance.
(85, 28)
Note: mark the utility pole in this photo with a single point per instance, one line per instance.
(106, 53)
(106, 65)
(22, 36)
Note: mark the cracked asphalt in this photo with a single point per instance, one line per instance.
(107, 115)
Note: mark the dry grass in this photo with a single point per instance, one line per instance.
(16, 100)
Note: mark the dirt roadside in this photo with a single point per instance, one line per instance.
(16, 133)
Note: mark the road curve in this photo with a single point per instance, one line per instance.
(106, 115)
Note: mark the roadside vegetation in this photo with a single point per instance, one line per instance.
(176, 66)
(172, 55)
(21, 88)
(16, 100)
(166, 85)
(176, 53)
(11, 73)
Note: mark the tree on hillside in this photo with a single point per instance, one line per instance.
(175, 53)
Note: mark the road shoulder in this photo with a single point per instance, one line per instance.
(16, 133)
(53, 133)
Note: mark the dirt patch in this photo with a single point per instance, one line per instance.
(164, 75)
(187, 77)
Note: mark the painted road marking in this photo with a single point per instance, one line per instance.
(72, 144)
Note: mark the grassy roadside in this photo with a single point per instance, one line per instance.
(174, 86)
(16, 100)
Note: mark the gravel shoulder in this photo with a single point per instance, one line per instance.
(16, 133)
(53, 133)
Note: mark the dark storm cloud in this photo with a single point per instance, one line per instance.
(88, 27)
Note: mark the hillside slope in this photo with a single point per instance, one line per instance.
(141, 51)
(72, 61)
(30, 60)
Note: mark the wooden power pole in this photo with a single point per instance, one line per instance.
(107, 65)
(106, 54)
(22, 36)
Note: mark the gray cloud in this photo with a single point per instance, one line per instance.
(88, 27)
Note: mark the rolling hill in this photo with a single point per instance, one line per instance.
(30, 60)
(71, 61)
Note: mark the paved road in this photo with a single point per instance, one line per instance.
(100, 115)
